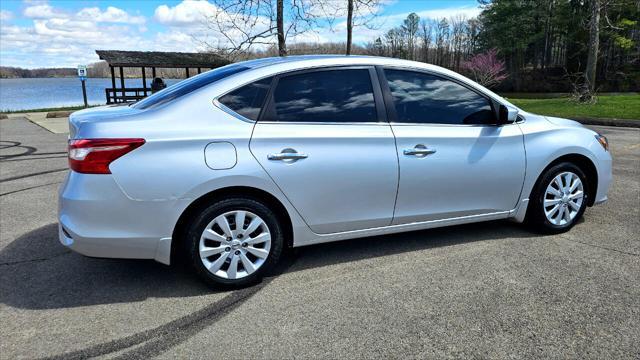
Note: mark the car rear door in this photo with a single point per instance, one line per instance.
(454, 160)
(323, 139)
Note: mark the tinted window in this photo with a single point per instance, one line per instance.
(325, 96)
(188, 85)
(425, 98)
(247, 100)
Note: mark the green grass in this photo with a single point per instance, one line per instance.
(607, 107)
(67, 108)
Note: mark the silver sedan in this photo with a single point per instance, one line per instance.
(228, 168)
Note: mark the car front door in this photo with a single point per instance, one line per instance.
(322, 138)
(454, 161)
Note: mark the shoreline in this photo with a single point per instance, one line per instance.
(62, 108)
(88, 77)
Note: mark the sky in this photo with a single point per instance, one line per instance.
(40, 33)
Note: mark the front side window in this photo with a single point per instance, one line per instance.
(425, 98)
(188, 85)
(247, 100)
(324, 96)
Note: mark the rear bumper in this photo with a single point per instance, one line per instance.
(97, 219)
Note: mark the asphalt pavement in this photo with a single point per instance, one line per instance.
(489, 290)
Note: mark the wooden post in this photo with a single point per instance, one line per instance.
(113, 85)
(153, 72)
(122, 83)
(187, 72)
(199, 70)
(144, 81)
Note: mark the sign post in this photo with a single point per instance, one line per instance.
(82, 74)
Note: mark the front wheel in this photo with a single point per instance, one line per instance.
(559, 199)
(234, 242)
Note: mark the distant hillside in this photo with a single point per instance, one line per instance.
(14, 72)
(95, 70)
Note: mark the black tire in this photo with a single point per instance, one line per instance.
(197, 226)
(536, 217)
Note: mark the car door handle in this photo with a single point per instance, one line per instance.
(419, 150)
(287, 156)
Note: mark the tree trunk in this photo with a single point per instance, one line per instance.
(594, 42)
(547, 31)
(282, 46)
(349, 25)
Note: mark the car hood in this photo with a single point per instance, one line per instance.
(563, 122)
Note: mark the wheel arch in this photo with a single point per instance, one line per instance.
(585, 164)
(241, 191)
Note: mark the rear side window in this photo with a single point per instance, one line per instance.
(426, 98)
(324, 96)
(188, 85)
(247, 100)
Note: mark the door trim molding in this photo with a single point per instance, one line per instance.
(392, 229)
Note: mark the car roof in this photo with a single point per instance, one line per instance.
(328, 60)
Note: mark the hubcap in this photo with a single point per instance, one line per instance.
(563, 198)
(235, 244)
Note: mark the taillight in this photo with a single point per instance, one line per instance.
(93, 156)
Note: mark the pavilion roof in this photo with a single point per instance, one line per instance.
(161, 59)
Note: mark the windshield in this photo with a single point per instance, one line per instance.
(188, 85)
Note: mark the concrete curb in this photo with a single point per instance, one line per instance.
(58, 114)
(609, 122)
(58, 125)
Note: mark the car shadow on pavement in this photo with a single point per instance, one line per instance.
(377, 246)
(37, 272)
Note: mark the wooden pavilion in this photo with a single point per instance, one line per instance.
(151, 59)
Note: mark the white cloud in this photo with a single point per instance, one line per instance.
(6, 15)
(41, 11)
(174, 40)
(112, 14)
(186, 13)
(467, 11)
(200, 25)
(61, 38)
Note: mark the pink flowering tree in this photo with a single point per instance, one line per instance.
(486, 68)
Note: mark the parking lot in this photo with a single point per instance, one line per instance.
(489, 290)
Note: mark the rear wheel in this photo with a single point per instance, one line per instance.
(234, 242)
(559, 199)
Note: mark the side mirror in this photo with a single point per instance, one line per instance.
(507, 114)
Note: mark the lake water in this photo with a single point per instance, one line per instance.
(36, 93)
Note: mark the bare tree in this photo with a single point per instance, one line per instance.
(592, 58)
(458, 31)
(378, 48)
(395, 40)
(349, 25)
(442, 39)
(410, 27)
(242, 24)
(426, 27)
(282, 46)
(360, 13)
(473, 29)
